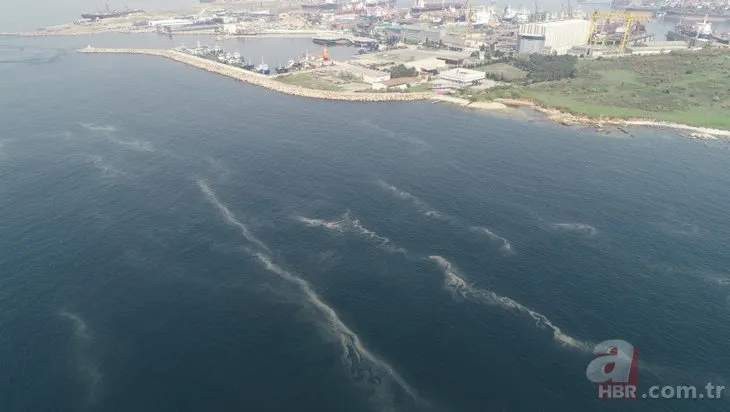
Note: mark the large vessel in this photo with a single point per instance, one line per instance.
(698, 34)
(509, 13)
(421, 6)
(723, 38)
(320, 6)
(697, 14)
(640, 6)
(522, 16)
(483, 16)
(108, 14)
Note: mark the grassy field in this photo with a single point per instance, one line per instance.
(310, 81)
(510, 73)
(689, 88)
(423, 87)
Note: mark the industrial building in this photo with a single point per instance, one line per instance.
(554, 37)
(170, 23)
(463, 76)
(401, 83)
(430, 65)
(233, 28)
(421, 34)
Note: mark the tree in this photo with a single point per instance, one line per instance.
(402, 71)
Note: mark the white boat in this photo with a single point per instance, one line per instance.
(263, 68)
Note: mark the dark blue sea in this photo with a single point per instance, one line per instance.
(174, 240)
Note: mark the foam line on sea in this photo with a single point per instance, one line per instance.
(360, 361)
(505, 245)
(455, 282)
(87, 369)
(230, 217)
(348, 223)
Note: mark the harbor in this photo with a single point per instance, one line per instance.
(470, 55)
(257, 79)
(499, 105)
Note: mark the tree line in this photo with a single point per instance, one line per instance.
(543, 68)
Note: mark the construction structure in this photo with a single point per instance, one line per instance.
(617, 29)
(553, 37)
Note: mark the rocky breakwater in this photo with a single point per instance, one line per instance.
(266, 81)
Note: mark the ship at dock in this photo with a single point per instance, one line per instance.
(321, 6)
(698, 14)
(421, 6)
(697, 34)
(633, 6)
(109, 14)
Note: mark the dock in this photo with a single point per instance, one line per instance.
(267, 82)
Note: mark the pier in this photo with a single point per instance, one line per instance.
(271, 83)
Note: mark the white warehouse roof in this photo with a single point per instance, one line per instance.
(463, 75)
(560, 35)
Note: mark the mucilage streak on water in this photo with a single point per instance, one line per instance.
(581, 228)
(349, 224)
(230, 217)
(87, 369)
(505, 245)
(455, 283)
(364, 366)
(109, 133)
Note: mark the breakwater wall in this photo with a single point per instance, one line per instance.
(272, 84)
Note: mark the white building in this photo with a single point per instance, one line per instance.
(232, 28)
(400, 83)
(169, 23)
(553, 37)
(430, 65)
(463, 76)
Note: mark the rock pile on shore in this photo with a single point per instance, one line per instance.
(257, 79)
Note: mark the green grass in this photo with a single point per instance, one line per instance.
(423, 87)
(310, 81)
(510, 73)
(689, 88)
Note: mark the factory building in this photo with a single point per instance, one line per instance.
(463, 76)
(554, 37)
(421, 34)
(430, 65)
(169, 23)
(233, 28)
(401, 83)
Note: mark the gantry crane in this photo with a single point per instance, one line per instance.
(629, 18)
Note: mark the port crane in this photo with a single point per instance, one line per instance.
(630, 19)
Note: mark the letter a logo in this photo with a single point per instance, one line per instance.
(616, 364)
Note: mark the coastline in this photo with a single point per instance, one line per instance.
(569, 119)
(566, 119)
(272, 84)
(72, 31)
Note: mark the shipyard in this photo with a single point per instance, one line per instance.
(461, 52)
